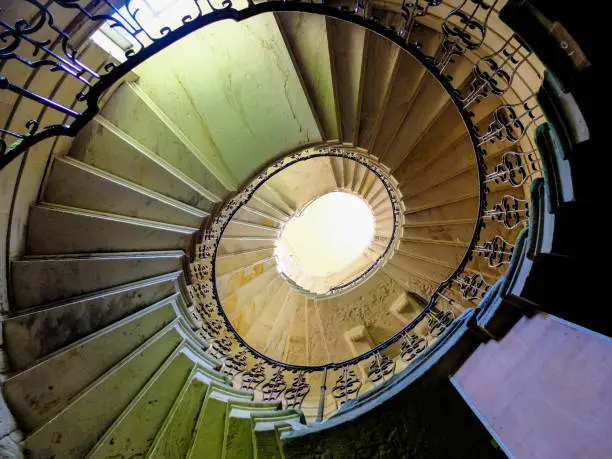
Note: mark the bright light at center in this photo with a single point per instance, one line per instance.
(331, 233)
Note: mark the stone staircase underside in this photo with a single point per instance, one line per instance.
(105, 360)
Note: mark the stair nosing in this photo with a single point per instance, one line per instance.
(171, 276)
(182, 137)
(187, 230)
(93, 335)
(260, 213)
(247, 266)
(107, 374)
(228, 255)
(153, 254)
(254, 225)
(134, 187)
(141, 394)
(180, 176)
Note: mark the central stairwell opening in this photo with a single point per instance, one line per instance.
(326, 235)
(238, 225)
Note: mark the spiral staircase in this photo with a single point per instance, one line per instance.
(157, 302)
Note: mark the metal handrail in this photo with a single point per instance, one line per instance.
(491, 76)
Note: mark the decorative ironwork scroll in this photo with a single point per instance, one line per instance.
(493, 74)
(274, 388)
(411, 10)
(253, 378)
(235, 364)
(511, 121)
(510, 211)
(464, 28)
(497, 251)
(412, 346)
(296, 393)
(473, 287)
(346, 387)
(381, 368)
(515, 168)
(438, 321)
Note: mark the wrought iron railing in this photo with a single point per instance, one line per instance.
(44, 41)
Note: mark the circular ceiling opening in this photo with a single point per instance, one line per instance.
(328, 234)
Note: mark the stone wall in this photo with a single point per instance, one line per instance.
(427, 420)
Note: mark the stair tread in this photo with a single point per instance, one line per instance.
(86, 417)
(134, 431)
(108, 148)
(46, 279)
(80, 185)
(79, 371)
(118, 218)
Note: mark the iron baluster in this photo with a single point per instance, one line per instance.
(497, 251)
(494, 74)
(236, 363)
(382, 368)
(412, 346)
(510, 210)
(438, 322)
(463, 30)
(274, 388)
(321, 408)
(514, 168)
(253, 378)
(411, 10)
(511, 121)
(473, 287)
(346, 387)
(296, 393)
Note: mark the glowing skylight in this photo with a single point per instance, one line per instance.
(330, 234)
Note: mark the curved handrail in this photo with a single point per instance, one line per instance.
(491, 82)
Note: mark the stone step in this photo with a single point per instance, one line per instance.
(231, 262)
(246, 305)
(236, 245)
(296, 350)
(133, 433)
(337, 166)
(39, 280)
(275, 199)
(380, 63)
(264, 316)
(176, 434)
(279, 335)
(237, 228)
(76, 184)
(77, 428)
(210, 428)
(137, 115)
(239, 280)
(304, 180)
(306, 37)
(32, 334)
(244, 124)
(267, 428)
(346, 52)
(410, 280)
(429, 102)
(104, 146)
(54, 229)
(251, 215)
(238, 438)
(259, 204)
(358, 175)
(44, 389)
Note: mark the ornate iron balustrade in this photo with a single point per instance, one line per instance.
(40, 43)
